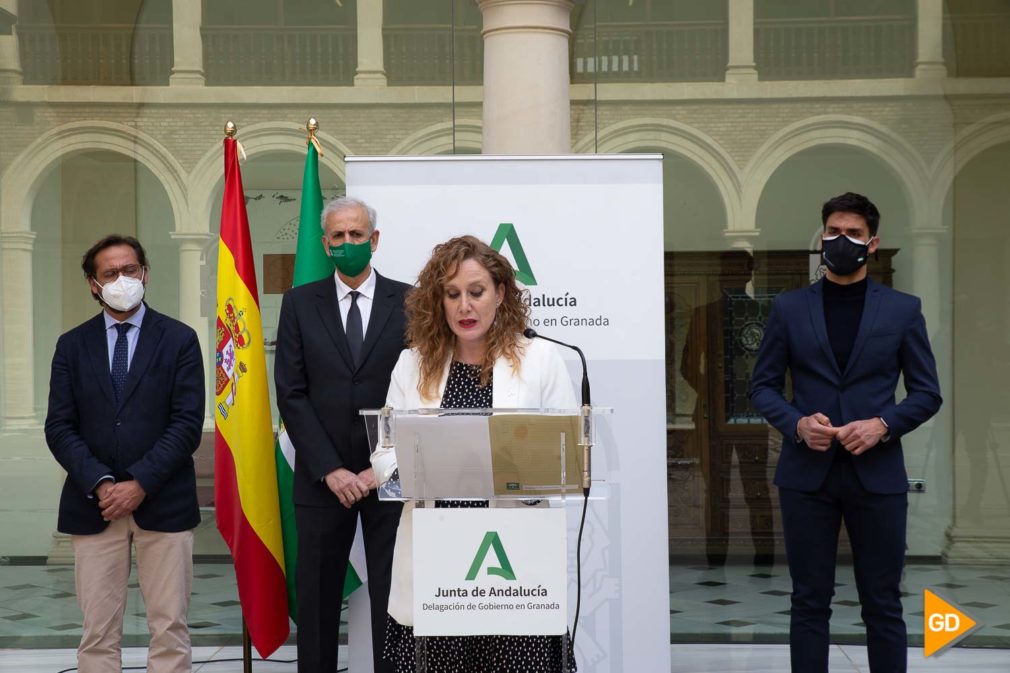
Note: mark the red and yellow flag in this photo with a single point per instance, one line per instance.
(245, 482)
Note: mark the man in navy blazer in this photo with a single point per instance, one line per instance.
(844, 341)
(126, 409)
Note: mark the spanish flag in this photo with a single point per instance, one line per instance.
(245, 482)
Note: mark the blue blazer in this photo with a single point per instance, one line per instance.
(149, 436)
(891, 340)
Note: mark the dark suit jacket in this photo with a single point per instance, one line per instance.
(891, 340)
(149, 436)
(319, 391)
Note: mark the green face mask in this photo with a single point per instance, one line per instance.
(350, 259)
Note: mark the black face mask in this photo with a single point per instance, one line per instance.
(843, 255)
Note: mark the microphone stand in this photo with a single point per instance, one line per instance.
(586, 442)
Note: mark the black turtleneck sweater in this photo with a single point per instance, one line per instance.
(843, 309)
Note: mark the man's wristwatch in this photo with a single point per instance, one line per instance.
(887, 428)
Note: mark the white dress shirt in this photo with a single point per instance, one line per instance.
(366, 293)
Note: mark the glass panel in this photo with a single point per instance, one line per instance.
(308, 42)
(649, 42)
(92, 147)
(975, 42)
(745, 179)
(96, 43)
(743, 320)
(834, 40)
(433, 43)
(106, 128)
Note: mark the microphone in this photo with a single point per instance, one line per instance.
(587, 480)
(531, 333)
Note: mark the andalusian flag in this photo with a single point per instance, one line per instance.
(311, 264)
(248, 512)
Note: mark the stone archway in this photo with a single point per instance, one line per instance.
(22, 178)
(19, 187)
(438, 139)
(877, 140)
(697, 147)
(966, 145)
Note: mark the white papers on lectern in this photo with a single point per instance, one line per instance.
(447, 456)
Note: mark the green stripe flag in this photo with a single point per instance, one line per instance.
(311, 264)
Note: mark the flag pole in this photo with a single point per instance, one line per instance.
(246, 649)
(230, 131)
(244, 464)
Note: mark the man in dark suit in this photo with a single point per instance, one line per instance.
(126, 410)
(845, 340)
(337, 342)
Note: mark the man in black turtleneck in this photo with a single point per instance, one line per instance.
(844, 342)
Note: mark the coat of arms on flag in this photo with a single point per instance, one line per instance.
(232, 335)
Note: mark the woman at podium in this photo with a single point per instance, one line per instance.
(465, 322)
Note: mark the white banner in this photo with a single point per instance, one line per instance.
(586, 236)
(490, 572)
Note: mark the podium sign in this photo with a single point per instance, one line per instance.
(490, 572)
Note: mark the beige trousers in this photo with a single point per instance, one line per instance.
(101, 573)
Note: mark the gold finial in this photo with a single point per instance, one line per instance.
(311, 127)
(230, 129)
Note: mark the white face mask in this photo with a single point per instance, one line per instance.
(123, 294)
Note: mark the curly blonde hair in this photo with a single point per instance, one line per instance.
(427, 328)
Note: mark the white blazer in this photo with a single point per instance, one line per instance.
(541, 382)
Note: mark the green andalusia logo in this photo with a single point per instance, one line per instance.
(503, 569)
(507, 234)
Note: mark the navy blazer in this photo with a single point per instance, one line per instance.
(319, 390)
(149, 436)
(891, 340)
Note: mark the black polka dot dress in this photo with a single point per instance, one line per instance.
(472, 654)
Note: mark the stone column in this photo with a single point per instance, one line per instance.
(925, 276)
(371, 68)
(187, 43)
(18, 348)
(10, 59)
(192, 246)
(191, 250)
(929, 38)
(526, 77)
(741, 67)
(741, 239)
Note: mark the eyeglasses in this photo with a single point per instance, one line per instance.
(130, 271)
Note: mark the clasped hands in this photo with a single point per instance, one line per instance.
(817, 432)
(350, 487)
(119, 499)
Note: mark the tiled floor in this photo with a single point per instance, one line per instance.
(746, 604)
(38, 608)
(685, 658)
(731, 604)
(219, 660)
